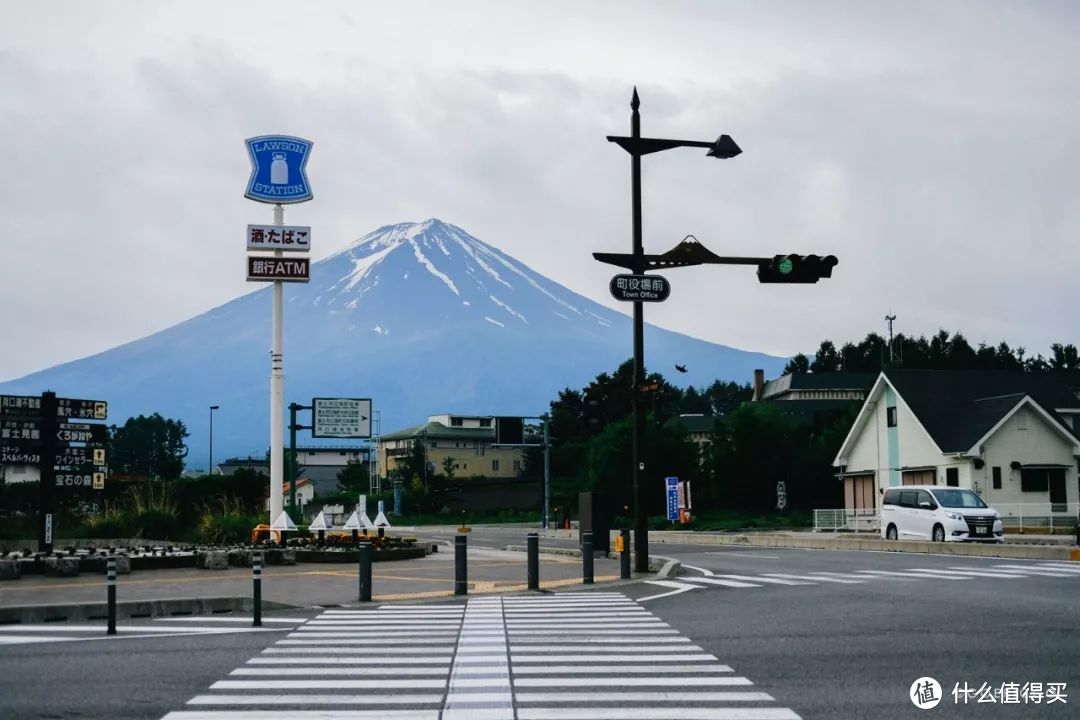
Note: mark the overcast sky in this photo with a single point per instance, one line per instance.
(933, 147)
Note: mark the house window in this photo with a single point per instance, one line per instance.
(434, 444)
(517, 466)
(890, 416)
(485, 422)
(495, 466)
(952, 477)
(1021, 420)
(1034, 480)
(455, 422)
(997, 478)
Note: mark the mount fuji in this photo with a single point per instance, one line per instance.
(421, 317)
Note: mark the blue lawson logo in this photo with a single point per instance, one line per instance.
(278, 172)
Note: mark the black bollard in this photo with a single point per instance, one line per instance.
(110, 580)
(382, 531)
(461, 566)
(533, 544)
(322, 538)
(586, 558)
(624, 556)
(256, 588)
(355, 536)
(364, 550)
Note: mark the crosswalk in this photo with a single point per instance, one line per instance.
(1000, 571)
(34, 633)
(565, 656)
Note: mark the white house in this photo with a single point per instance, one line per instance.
(1011, 437)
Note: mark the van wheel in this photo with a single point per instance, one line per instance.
(890, 532)
(939, 534)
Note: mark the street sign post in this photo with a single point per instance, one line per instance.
(341, 417)
(263, 269)
(288, 238)
(672, 485)
(640, 288)
(278, 169)
(33, 431)
(20, 405)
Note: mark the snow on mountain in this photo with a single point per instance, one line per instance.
(421, 317)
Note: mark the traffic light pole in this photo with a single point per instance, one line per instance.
(291, 468)
(641, 524)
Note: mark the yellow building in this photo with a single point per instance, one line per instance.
(468, 439)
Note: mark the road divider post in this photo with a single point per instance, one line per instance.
(533, 545)
(256, 588)
(461, 565)
(587, 557)
(364, 550)
(110, 581)
(624, 556)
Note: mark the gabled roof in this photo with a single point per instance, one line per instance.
(959, 407)
(817, 381)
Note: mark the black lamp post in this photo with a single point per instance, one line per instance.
(723, 147)
(210, 471)
(776, 269)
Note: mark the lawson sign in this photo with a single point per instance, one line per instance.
(278, 169)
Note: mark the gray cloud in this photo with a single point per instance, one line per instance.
(929, 145)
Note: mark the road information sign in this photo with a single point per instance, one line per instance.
(640, 288)
(14, 455)
(81, 433)
(20, 405)
(290, 238)
(278, 173)
(341, 417)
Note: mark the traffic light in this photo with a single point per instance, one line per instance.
(796, 269)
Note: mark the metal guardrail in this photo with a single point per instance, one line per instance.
(866, 520)
(1016, 517)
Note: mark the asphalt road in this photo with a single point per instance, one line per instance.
(853, 649)
(825, 634)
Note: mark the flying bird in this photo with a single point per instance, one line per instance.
(680, 368)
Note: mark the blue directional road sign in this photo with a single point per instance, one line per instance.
(278, 172)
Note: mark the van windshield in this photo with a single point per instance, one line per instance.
(959, 499)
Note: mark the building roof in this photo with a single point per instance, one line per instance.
(958, 407)
(818, 381)
(438, 431)
(695, 423)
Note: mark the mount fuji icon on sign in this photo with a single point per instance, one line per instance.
(278, 173)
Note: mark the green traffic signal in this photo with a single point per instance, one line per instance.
(796, 268)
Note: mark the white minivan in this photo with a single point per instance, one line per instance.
(938, 513)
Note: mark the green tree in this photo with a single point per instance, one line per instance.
(353, 478)
(448, 468)
(797, 364)
(148, 447)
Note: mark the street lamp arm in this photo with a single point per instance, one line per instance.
(722, 147)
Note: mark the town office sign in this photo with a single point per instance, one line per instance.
(640, 288)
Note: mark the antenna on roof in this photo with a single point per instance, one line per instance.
(889, 319)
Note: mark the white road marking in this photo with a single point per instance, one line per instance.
(966, 573)
(610, 657)
(621, 669)
(314, 699)
(367, 659)
(619, 697)
(717, 580)
(306, 715)
(742, 554)
(390, 672)
(680, 587)
(587, 681)
(383, 683)
(819, 578)
(220, 619)
(651, 713)
(759, 578)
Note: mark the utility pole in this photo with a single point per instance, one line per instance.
(889, 319)
(547, 470)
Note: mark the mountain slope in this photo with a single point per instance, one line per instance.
(421, 317)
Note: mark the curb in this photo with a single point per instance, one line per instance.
(1028, 552)
(133, 609)
(654, 567)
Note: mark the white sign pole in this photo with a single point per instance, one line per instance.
(277, 394)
